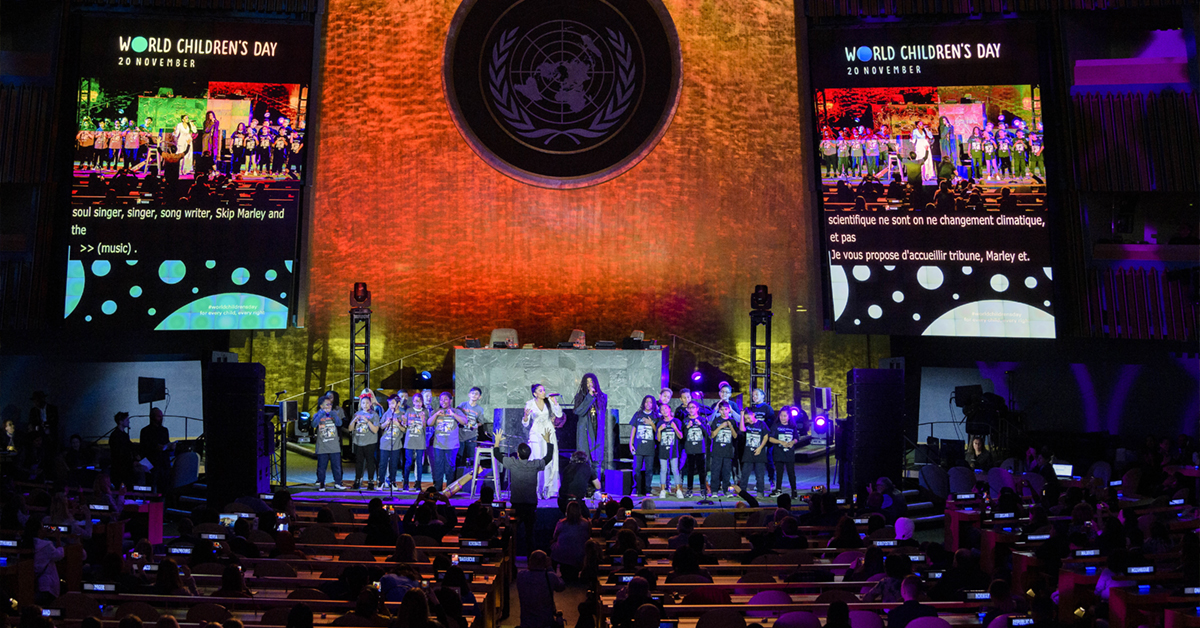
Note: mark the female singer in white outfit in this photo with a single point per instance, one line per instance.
(542, 415)
(183, 143)
(921, 137)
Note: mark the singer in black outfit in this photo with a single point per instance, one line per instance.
(591, 404)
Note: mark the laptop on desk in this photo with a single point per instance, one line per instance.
(1063, 471)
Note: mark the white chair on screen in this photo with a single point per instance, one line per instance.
(507, 337)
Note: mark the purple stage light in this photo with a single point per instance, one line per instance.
(820, 425)
(696, 376)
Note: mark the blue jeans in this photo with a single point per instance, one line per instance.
(443, 466)
(389, 462)
(413, 458)
(325, 459)
(466, 457)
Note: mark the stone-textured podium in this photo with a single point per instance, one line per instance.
(505, 376)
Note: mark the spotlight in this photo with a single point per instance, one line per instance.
(760, 299)
(821, 425)
(426, 376)
(360, 297)
(795, 412)
(697, 376)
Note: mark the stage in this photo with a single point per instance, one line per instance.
(302, 477)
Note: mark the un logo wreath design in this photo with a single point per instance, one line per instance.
(507, 102)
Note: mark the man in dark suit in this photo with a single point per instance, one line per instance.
(910, 590)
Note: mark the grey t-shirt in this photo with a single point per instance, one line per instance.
(470, 431)
(362, 430)
(414, 438)
(445, 431)
(325, 428)
(390, 437)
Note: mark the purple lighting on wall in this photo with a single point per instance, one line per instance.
(1091, 407)
(1120, 391)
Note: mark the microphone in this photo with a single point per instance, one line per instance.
(554, 395)
(282, 392)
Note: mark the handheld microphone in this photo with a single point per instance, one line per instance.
(554, 395)
(282, 392)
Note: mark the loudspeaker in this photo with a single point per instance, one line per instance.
(873, 437)
(618, 482)
(239, 462)
(823, 398)
(289, 411)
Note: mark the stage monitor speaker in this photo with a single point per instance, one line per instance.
(618, 482)
(874, 436)
(239, 459)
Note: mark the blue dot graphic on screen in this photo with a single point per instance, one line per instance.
(88, 318)
(151, 311)
(135, 291)
(131, 262)
(864, 54)
(271, 275)
(210, 264)
(172, 271)
(195, 290)
(101, 267)
(240, 276)
(108, 307)
(138, 44)
(283, 295)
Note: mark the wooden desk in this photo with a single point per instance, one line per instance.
(956, 520)
(1125, 605)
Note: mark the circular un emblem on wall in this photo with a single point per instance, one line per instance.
(562, 93)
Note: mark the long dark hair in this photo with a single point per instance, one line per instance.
(653, 404)
(583, 391)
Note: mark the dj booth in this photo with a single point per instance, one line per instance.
(506, 375)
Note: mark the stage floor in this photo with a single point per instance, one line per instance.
(302, 477)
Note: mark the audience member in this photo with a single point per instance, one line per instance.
(910, 592)
(536, 587)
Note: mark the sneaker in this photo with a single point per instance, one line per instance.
(321, 487)
(678, 493)
(354, 487)
(384, 486)
(339, 486)
(662, 494)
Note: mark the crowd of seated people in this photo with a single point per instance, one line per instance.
(650, 557)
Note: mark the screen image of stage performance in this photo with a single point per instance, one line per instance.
(933, 190)
(185, 143)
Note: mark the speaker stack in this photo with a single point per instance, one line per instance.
(870, 441)
(240, 440)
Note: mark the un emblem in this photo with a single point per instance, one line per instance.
(562, 94)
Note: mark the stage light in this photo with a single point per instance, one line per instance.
(697, 377)
(760, 299)
(426, 376)
(360, 297)
(795, 412)
(820, 425)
